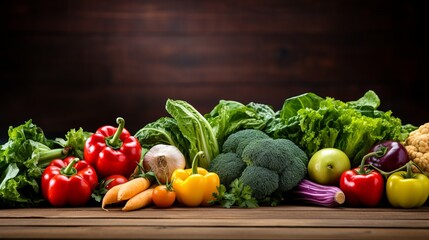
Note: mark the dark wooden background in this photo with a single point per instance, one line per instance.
(80, 63)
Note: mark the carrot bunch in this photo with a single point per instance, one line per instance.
(136, 193)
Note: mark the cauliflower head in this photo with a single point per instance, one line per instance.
(417, 146)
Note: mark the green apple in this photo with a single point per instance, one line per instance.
(326, 166)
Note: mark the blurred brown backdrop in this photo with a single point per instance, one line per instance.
(80, 63)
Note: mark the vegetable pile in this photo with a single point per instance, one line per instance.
(24, 157)
(236, 155)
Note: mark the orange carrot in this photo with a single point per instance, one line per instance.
(111, 196)
(140, 200)
(132, 188)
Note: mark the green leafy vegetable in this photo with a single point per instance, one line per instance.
(230, 116)
(196, 129)
(75, 141)
(19, 165)
(237, 195)
(163, 131)
(314, 123)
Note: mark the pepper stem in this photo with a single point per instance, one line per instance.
(409, 173)
(379, 153)
(407, 165)
(70, 170)
(114, 142)
(195, 162)
(387, 174)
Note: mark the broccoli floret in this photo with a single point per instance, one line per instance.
(274, 154)
(237, 141)
(291, 176)
(262, 181)
(298, 153)
(228, 166)
(281, 156)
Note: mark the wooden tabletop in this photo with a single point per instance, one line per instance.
(281, 222)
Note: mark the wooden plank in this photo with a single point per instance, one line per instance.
(139, 232)
(280, 212)
(215, 222)
(282, 222)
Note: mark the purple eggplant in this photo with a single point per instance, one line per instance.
(389, 156)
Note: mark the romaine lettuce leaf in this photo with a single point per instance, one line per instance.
(196, 129)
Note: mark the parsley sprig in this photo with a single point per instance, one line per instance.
(237, 195)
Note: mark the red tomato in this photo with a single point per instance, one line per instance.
(114, 180)
(163, 196)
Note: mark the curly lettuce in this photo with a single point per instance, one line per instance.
(230, 116)
(314, 123)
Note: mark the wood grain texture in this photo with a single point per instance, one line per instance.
(282, 222)
(74, 64)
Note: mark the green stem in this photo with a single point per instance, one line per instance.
(379, 153)
(70, 170)
(46, 157)
(409, 173)
(114, 142)
(195, 162)
(406, 166)
(387, 174)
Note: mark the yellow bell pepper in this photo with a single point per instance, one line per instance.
(195, 186)
(406, 189)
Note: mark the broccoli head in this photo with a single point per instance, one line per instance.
(268, 166)
(282, 157)
(228, 166)
(262, 181)
(237, 141)
(274, 154)
(292, 175)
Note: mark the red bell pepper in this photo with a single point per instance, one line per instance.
(362, 185)
(113, 151)
(68, 182)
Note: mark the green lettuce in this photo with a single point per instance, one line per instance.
(163, 131)
(354, 127)
(230, 116)
(196, 129)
